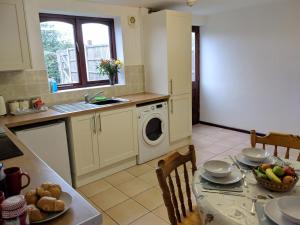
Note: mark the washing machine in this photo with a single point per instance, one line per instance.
(153, 131)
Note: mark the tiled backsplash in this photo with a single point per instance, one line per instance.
(27, 84)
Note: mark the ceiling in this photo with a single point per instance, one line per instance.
(201, 7)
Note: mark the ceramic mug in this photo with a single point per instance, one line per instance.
(2, 198)
(13, 180)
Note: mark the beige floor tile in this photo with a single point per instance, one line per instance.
(150, 178)
(217, 148)
(162, 213)
(107, 220)
(153, 163)
(119, 178)
(133, 187)
(139, 170)
(94, 188)
(150, 199)
(109, 198)
(127, 212)
(149, 219)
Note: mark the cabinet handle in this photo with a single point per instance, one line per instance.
(100, 125)
(172, 106)
(94, 128)
(171, 86)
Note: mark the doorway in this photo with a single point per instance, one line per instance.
(195, 74)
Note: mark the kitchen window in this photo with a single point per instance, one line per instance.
(73, 47)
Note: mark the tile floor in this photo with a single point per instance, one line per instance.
(133, 197)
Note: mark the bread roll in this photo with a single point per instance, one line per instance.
(41, 192)
(50, 204)
(31, 197)
(51, 190)
(34, 213)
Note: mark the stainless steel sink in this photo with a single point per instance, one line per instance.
(109, 101)
(81, 106)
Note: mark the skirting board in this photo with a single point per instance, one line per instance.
(230, 128)
(104, 172)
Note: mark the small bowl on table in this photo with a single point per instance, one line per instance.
(255, 154)
(217, 168)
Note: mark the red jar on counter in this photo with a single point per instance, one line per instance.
(14, 211)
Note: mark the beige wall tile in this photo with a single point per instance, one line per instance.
(27, 84)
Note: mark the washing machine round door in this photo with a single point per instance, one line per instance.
(154, 129)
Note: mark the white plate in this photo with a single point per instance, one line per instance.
(290, 208)
(233, 177)
(241, 158)
(67, 198)
(274, 214)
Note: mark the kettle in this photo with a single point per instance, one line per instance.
(2, 106)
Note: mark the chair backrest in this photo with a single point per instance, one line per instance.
(164, 176)
(287, 141)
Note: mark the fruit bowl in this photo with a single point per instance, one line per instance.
(276, 178)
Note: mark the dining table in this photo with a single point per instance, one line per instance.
(234, 208)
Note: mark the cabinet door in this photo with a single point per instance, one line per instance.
(84, 142)
(14, 53)
(117, 136)
(179, 27)
(180, 117)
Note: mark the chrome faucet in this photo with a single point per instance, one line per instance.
(88, 99)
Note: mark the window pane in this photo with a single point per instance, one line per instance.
(97, 46)
(60, 51)
(193, 56)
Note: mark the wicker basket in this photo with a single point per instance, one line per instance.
(272, 186)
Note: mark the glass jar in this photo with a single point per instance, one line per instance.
(14, 211)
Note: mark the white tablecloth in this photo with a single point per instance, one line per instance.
(220, 209)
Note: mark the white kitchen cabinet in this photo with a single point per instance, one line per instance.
(85, 154)
(14, 51)
(117, 135)
(168, 66)
(167, 52)
(103, 139)
(180, 117)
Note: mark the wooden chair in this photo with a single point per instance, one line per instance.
(287, 141)
(164, 176)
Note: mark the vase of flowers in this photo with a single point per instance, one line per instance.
(111, 68)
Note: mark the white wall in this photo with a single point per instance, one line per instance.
(250, 68)
(129, 35)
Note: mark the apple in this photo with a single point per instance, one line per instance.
(289, 171)
(288, 180)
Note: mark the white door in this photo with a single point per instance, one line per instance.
(85, 146)
(117, 136)
(180, 117)
(179, 53)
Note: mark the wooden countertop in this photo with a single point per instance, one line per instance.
(14, 121)
(81, 212)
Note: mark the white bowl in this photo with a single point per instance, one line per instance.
(255, 154)
(290, 208)
(217, 168)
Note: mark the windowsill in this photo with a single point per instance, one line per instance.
(88, 88)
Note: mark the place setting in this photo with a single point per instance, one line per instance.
(273, 177)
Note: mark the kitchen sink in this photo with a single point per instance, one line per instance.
(109, 101)
(81, 106)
